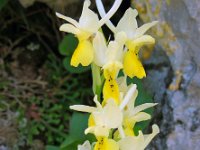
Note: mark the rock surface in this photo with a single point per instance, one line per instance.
(175, 83)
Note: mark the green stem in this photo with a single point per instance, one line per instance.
(97, 81)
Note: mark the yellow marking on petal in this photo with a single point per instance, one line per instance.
(129, 131)
(112, 145)
(111, 88)
(101, 143)
(133, 66)
(128, 126)
(104, 143)
(91, 121)
(83, 54)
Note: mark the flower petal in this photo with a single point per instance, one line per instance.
(143, 40)
(100, 48)
(121, 38)
(83, 108)
(131, 103)
(110, 88)
(133, 66)
(70, 20)
(128, 23)
(123, 87)
(97, 102)
(89, 20)
(83, 54)
(141, 30)
(113, 115)
(69, 28)
(141, 116)
(128, 96)
(86, 146)
(98, 131)
(132, 142)
(114, 52)
(104, 143)
(142, 107)
(112, 145)
(149, 137)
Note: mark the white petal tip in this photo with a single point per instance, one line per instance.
(59, 15)
(155, 129)
(133, 11)
(71, 107)
(155, 22)
(87, 3)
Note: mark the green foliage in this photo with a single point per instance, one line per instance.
(44, 117)
(68, 45)
(66, 48)
(79, 69)
(78, 124)
(50, 147)
(3, 3)
(143, 97)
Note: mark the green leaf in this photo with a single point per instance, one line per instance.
(78, 124)
(69, 140)
(143, 97)
(68, 45)
(72, 146)
(71, 69)
(51, 147)
(3, 3)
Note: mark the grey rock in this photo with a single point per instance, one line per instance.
(179, 112)
(3, 147)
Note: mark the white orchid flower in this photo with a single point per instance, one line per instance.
(131, 113)
(107, 56)
(139, 142)
(135, 40)
(110, 58)
(101, 120)
(87, 26)
(104, 118)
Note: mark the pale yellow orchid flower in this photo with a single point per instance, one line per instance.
(104, 118)
(101, 120)
(84, 29)
(135, 40)
(131, 113)
(110, 58)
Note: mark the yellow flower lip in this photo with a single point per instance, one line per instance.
(83, 54)
(133, 66)
(103, 143)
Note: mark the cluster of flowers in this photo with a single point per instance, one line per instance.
(113, 118)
